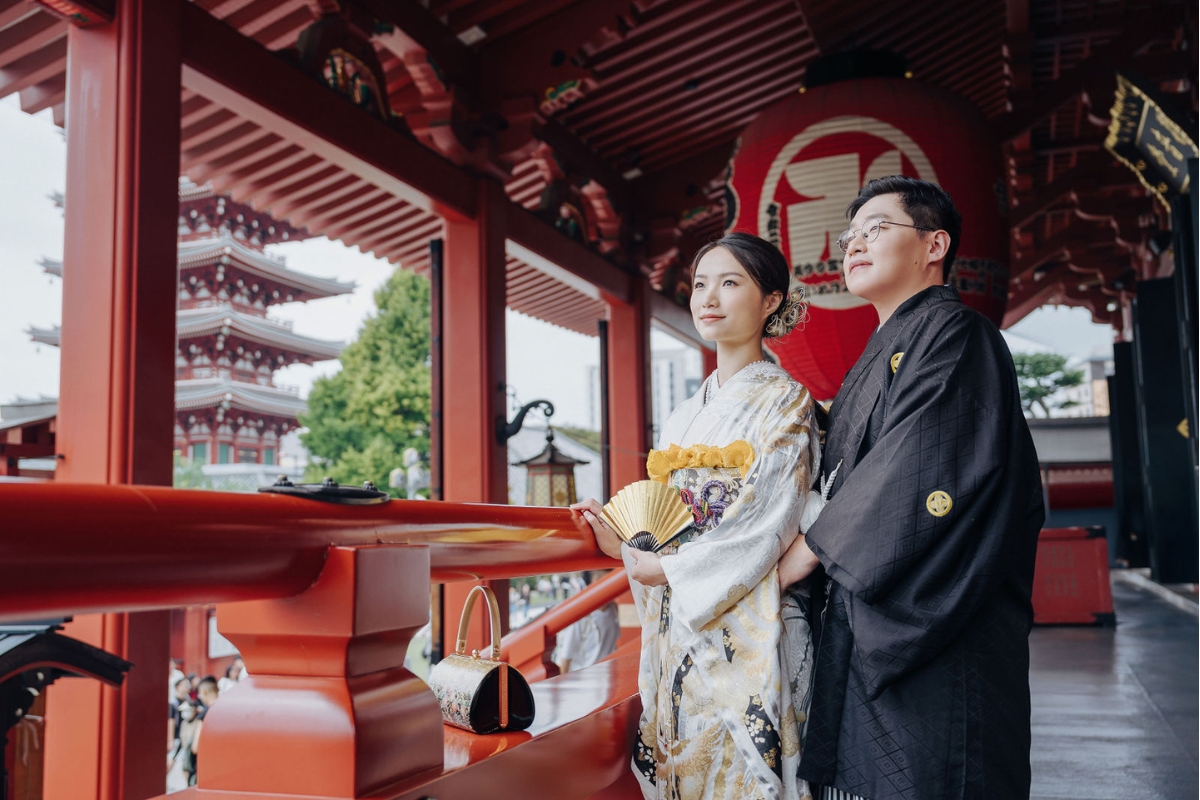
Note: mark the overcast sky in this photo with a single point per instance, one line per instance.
(543, 361)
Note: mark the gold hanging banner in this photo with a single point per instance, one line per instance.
(1146, 138)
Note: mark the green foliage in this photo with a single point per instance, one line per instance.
(362, 419)
(189, 475)
(1042, 375)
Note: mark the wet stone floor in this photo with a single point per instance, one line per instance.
(1115, 709)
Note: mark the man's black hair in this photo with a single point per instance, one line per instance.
(927, 203)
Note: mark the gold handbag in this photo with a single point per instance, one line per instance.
(479, 693)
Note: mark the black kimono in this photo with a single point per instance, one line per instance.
(921, 681)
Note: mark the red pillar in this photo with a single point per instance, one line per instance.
(629, 417)
(709, 361)
(116, 406)
(474, 464)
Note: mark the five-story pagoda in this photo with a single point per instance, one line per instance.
(228, 408)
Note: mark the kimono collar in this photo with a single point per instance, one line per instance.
(881, 339)
(751, 371)
(926, 297)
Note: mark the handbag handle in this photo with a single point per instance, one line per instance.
(493, 607)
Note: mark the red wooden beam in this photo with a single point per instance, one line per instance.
(246, 78)
(164, 548)
(1084, 175)
(629, 415)
(1030, 295)
(529, 648)
(676, 320)
(1032, 105)
(532, 234)
(24, 450)
(115, 414)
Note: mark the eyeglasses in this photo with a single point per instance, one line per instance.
(871, 233)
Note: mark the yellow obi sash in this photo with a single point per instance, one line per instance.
(661, 463)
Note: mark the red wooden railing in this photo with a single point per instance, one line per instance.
(529, 649)
(322, 601)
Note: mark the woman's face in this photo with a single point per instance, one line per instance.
(727, 305)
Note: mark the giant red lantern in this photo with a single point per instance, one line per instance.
(801, 162)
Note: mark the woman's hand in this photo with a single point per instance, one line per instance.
(647, 569)
(586, 515)
(797, 563)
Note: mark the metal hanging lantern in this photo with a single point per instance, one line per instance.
(551, 476)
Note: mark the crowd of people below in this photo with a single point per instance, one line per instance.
(191, 696)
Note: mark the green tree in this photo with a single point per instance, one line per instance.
(189, 475)
(1041, 376)
(361, 419)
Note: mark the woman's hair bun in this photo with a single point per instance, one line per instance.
(791, 312)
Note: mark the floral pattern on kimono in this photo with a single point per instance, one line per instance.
(718, 668)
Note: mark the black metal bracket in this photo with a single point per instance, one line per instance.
(329, 491)
(506, 430)
(34, 655)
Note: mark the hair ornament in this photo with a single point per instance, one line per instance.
(792, 311)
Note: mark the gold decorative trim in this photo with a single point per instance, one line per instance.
(1125, 89)
(661, 463)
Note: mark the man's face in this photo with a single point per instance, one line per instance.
(207, 694)
(183, 688)
(895, 263)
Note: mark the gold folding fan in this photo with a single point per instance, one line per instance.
(647, 515)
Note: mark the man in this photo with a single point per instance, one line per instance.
(921, 684)
(207, 691)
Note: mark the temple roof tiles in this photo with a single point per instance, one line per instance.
(208, 392)
(51, 336)
(203, 251)
(25, 411)
(195, 322)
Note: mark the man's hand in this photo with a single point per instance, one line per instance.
(797, 563)
(647, 569)
(587, 518)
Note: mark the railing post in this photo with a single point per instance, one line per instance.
(115, 413)
(474, 464)
(629, 422)
(328, 709)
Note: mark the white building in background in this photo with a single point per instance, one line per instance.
(1091, 396)
(675, 375)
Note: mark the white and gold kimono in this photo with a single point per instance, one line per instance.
(720, 677)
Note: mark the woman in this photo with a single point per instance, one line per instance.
(718, 668)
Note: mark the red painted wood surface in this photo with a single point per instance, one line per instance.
(629, 387)
(580, 744)
(530, 648)
(1079, 485)
(109, 548)
(118, 353)
(244, 77)
(474, 463)
(1070, 579)
(329, 711)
